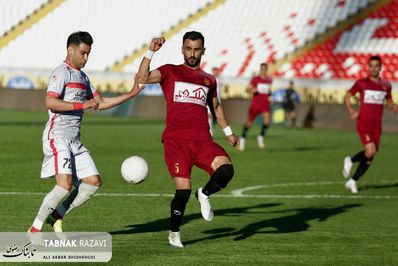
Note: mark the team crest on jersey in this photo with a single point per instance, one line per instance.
(190, 93)
(206, 81)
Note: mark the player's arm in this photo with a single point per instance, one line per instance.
(393, 106)
(109, 102)
(347, 102)
(58, 105)
(223, 123)
(153, 76)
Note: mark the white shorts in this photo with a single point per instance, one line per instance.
(67, 157)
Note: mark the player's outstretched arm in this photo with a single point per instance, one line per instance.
(109, 102)
(147, 76)
(223, 124)
(58, 105)
(347, 102)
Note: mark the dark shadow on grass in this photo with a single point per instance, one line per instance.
(370, 187)
(297, 222)
(164, 224)
(301, 149)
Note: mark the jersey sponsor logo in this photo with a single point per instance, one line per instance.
(374, 97)
(263, 88)
(79, 96)
(190, 93)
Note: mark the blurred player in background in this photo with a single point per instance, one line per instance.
(260, 88)
(289, 105)
(69, 93)
(373, 92)
(187, 140)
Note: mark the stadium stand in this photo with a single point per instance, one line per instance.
(128, 25)
(16, 11)
(345, 55)
(239, 34)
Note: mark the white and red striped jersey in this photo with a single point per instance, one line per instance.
(70, 85)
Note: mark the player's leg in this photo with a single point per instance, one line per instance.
(212, 158)
(177, 209)
(365, 157)
(52, 199)
(178, 161)
(55, 219)
(87, 173)
(250, 118)
(266, 121)
(56, 163)
(293, 117)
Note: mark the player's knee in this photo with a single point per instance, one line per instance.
(370, 154)
(182, 195)
(93, 181)
(224, 174)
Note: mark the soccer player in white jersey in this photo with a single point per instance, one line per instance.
(69, 93)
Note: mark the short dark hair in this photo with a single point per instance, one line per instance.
(375, 58)
(79, 37)
(194, 35)
(264, 64)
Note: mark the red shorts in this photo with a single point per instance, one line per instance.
(181, 155)
(257, 107)
(369, 135)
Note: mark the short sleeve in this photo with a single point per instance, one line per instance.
(355, 88)
(164, 71)
(56, 83)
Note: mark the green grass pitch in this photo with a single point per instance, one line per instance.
(298, 212)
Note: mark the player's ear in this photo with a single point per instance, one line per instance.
(203, 50)
(70, 50)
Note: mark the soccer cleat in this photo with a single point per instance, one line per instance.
(351, 185)
(260, 142)
(347, 166)
(241, 144)
(32, 229)
(205, 207)
(175, 240)
(36, 236)
(57, 226)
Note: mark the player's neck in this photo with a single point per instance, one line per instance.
(263, 76)
(69, 63)
(193, 68)
(374, 79)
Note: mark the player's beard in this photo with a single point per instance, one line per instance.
(192, 63)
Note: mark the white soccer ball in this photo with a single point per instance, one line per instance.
(135, 169)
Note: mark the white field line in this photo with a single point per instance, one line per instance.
(239, 193)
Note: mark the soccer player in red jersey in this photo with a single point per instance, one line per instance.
(186, 138)
(260, 87)
(373, 92)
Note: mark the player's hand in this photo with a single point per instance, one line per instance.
(354, 115)
(90, 104)
(156, 43)
(395, 108)
(234, 141)
(138, 87)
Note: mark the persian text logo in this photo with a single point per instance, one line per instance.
(15, 250)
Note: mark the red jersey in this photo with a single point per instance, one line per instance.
(263, 90)
(186, 91)
(372, 96)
